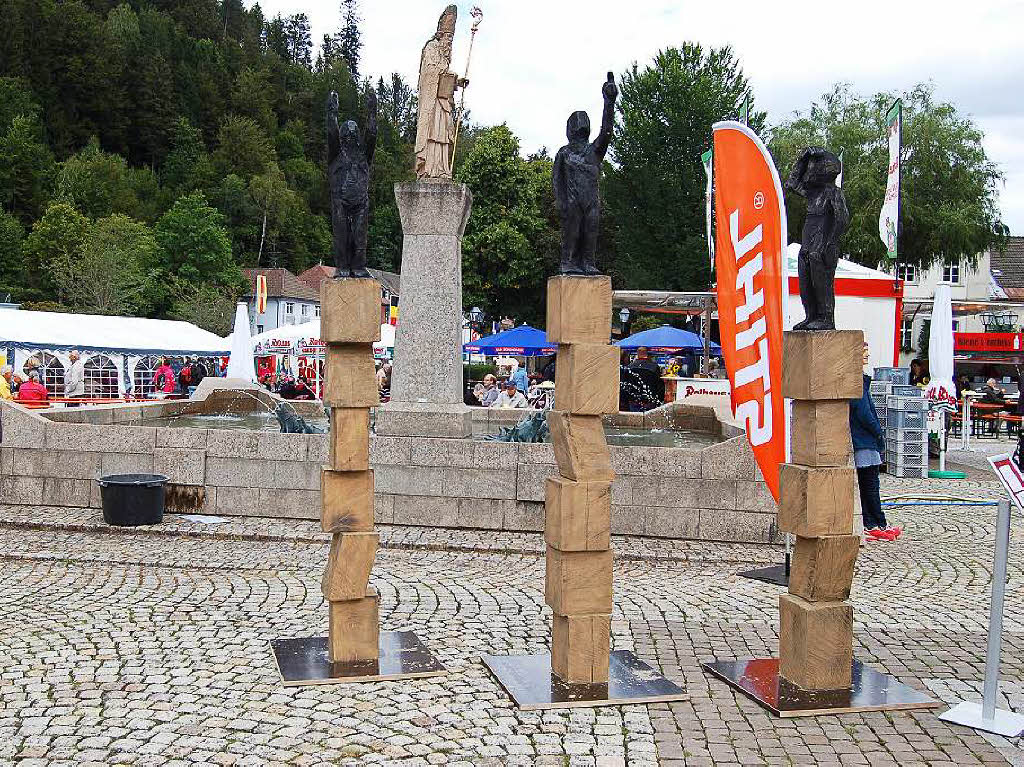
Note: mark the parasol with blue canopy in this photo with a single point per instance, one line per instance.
(666, 339)
(523, 341)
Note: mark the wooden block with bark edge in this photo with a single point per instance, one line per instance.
(816, 501)
(577, 514)
(349, 565)
(349, 311)
(346, 501)
(815, 643)
(821, 432)
(351, 381)
(579, 310)
(581, 451)
(353, 629)
(350, 439)
(580, 647)
(823, 364)
(587, 378)
(822, 568)
(578, 582)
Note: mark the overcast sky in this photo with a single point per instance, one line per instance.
(536, 61)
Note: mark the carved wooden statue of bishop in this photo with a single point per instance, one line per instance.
(435, 126)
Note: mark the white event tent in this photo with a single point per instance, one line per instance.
(120, 353)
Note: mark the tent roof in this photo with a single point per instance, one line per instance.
(665, 337)
(523, 341)
(101, 333)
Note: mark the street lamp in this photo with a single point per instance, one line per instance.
(624, 315)
(476, 315)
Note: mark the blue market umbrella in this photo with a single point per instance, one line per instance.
(666, 339)
(522, 341)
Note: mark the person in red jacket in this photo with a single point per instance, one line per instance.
(32, 390)
(163, 379)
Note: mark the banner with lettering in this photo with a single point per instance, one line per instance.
(750, 233)
(889, 218)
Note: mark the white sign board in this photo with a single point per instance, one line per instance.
(1008, 473)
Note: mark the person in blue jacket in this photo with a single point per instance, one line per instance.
(868, 448)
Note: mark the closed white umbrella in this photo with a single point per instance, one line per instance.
(941, 391)
(241, 364)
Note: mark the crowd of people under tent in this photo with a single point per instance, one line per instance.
(173, 376)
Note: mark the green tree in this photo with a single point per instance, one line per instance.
(208, 305)
(55, 239)
(348, 40)
(187, 166)
(950, 186)
(26, 167)
(502, 271)
(655, 192)
(16, 99)
(112, 270)
(11, 267)
(97, 183)
(242, 148)
(194, 243)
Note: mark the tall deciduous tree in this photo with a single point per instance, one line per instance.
(655, 192)
(96, 183)
(503, 272)
(26, 167)
(111, 271)
(949, 191)
(194, 242)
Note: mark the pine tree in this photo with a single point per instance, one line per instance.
(299, 39)
(349, 39)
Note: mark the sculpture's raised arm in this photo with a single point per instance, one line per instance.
(610, 92)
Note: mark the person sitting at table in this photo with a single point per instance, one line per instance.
(993, 394)
(918, 373)
(511, 397)
(32, 390)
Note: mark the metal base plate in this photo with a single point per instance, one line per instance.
(871, 690)
(775, 574)
(530, 683)
(969, 714)
(402, 656)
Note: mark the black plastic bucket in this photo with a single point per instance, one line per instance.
(133, 499)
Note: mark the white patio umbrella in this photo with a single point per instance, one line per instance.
(241, 364)
(941, 392)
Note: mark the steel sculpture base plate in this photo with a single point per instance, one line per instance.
(871, 691)
(1003, 722)
(528, 680)
(775, 574)
(402, 656)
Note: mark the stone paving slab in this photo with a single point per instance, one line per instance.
(151, 648)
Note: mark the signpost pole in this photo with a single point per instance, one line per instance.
(986, 716)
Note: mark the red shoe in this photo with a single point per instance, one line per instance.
(894, 532)
(878, 534)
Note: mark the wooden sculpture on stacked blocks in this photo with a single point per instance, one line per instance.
(581, 669)
(356, 650)
(578, 505)
(821, 372)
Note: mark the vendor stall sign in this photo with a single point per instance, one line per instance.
(750, 226)
(987, 342)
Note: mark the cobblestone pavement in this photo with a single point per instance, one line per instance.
(151, 647)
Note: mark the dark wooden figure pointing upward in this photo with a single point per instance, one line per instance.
(349, 156)
(575, 178)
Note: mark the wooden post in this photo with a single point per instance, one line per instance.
(821, 372)
(578, 584)
(350, 324)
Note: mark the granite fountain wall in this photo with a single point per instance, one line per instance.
(710, 493)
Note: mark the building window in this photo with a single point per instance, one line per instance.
(907, 335)
(289, 307)
(305, 310)
(101, 377)
(51, 372)
(956, 326)
(316, 310)
(259, 329)
(907, 273)
(143, 384)
(951, 272)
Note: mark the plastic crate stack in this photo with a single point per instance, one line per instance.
(906, 432)
(880, 391)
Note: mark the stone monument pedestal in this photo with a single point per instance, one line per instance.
(426, 383)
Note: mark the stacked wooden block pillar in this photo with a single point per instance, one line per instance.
(350, 323)
(578, 585)
(821, 372)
